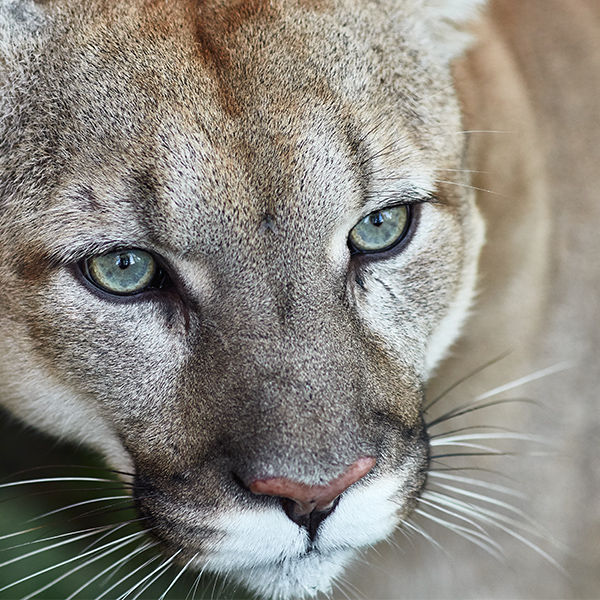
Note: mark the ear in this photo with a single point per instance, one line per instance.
(443, 24)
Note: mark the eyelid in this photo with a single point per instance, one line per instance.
(161, 263)
(77, 250)
(381, 204)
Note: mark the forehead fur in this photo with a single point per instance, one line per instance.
(233, 72)
(227, 112)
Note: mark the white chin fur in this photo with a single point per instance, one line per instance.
(273, 557)
(303, 577)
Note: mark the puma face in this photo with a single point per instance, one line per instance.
(235, 240)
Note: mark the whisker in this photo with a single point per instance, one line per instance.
(473, 406)
(477, 402)
(61, 564)
(478, 483)
(445, 510)
(471, 509)
(557, 368)
(487, 449)
(23, 532)
(370, 132)
(420, 531)
(54, 467)
(482, 498)
(491, 516)
(465, 439)
(341, 585)
(350, 591)
(223, 582)
(536, 549)
(151, 578)
(384, 151)
(75, 538)
(355, 592)
(492, 452)
(465, 171)
(49, 538)
(437, 92)
(181, 572)
(482, 540)
(128, 576)
(467, 132)
(85, 564)
(462, 469)
(113, 573)
(477, 428)
(194, 589)
(111, 530)
(115, 566)
(499, 520)
(54, 480)
(470, 187)
(466, 377)
(83, 503)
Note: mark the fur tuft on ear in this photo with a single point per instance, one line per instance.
(443, 24)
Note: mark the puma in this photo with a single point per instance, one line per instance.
(239, 242)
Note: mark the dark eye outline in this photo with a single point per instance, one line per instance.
(403, 237)
(160, 281)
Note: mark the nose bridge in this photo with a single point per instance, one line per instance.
(297, 397)
(308, 354)
(295, 370)
(282, 299)
(297, 378)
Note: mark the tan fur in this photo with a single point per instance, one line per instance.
(240, 142)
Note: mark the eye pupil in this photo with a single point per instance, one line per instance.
(376, 219)
(123, 261)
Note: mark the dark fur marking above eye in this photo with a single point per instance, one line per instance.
(145, 184)
(87, 199)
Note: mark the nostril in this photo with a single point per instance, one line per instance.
(308, 498)
(300, 515)
(310, 521)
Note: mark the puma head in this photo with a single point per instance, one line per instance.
(236, 238)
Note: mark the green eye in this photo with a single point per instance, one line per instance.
(122, 273)
(380, 230)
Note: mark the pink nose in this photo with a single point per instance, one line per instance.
(308, 498)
